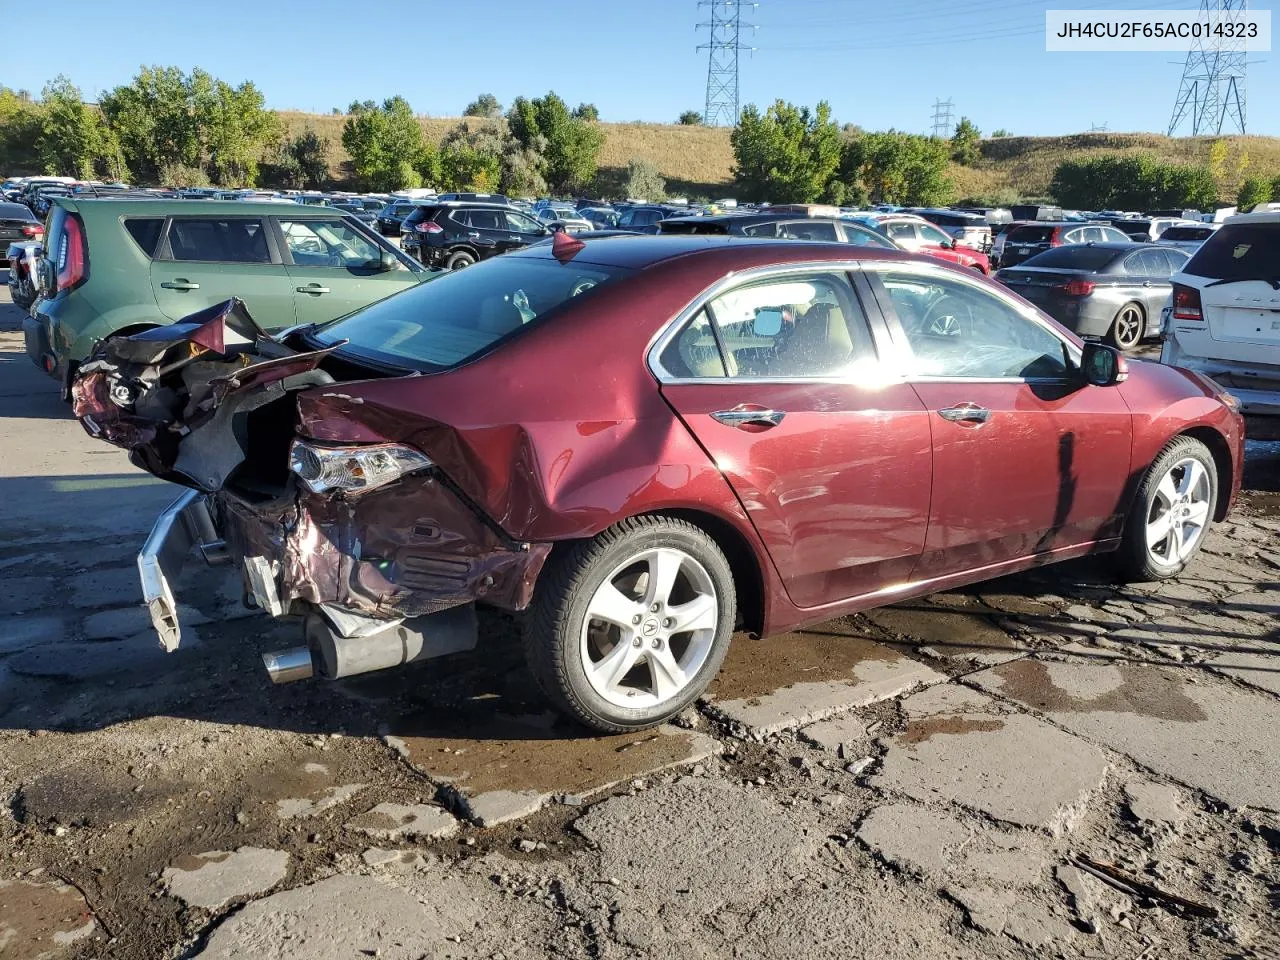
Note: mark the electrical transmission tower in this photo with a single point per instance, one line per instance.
(723, 46)
(1212, 89)
(942, 118)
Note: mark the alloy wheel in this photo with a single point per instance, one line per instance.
(1128, 327)
(649, 628)
(1179, 512)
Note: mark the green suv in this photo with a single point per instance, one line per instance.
(116, 267)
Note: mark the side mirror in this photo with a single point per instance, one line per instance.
(387, 261)
(1103, 366)
(767, 323)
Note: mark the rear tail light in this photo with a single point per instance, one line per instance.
(1186, 303)
(32, 230)
(1077, 288)
(428, 226)
(355, 469)
(71, 254)
(1055, 238)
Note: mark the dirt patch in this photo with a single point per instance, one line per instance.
(1140, 690)
(950, 633)
(918, 731)
(39, 919)
(828, 652)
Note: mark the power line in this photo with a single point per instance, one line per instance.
(1212, 88)
(942, 118)
(724, 43)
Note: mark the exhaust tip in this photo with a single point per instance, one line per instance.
(286, 666)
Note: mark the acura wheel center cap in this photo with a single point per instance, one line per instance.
(650, 627)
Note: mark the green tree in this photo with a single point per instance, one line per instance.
(787, 154)
(471, 159)
(587, 112)
(896, 167)
(644, 181)
(567, 144)
(165, 120)
(1001, 132)
(1132, 182)
(1253, 191)
(964, 142)
(303, 162)
(20, 125)
(386, 145)
(1275, 188)
(70, 140)
(690, 118)
(485, 105)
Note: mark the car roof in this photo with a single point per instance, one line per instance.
(1262, 216)
(168, 208)
(644, 250)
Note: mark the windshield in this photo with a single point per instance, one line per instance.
(1036, 234)
(444, 322)
(1187, 233)
(1239, 252)
(1073, 257)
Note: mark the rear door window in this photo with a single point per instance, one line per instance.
(218, 240)
(810, 230)
(1030, 234)
(146, 232)
(1239, 252)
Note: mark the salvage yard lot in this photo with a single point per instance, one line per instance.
(912, 782)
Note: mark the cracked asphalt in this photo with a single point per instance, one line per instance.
(965, 775)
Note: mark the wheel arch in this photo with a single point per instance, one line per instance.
(744, 564)
(1221, 452)
(748, 578)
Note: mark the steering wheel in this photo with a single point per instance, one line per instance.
(947, 316)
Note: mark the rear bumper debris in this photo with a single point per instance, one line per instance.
(185, 525)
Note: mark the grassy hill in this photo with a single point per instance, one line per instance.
(699, 160)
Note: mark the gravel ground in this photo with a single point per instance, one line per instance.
(936, 779)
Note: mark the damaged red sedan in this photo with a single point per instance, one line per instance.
(645, 442)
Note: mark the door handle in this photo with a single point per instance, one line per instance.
(1146, 283)
(313, 288)
(965, 413)
(473, 235)
(180, 284)
(742, 416)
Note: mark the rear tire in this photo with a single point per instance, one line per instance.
(459, 260)
(604, 637)
(1171, 513)
(1127, 328)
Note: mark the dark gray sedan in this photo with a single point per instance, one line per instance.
(1110, 290)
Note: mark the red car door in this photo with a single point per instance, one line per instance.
(778, 380)
(1027, 459)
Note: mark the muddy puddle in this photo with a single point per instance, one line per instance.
(40, 920)
(1104, 687)
(829, 652)
(541, 755)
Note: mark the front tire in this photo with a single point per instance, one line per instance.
(1171, 513)
(628, 628)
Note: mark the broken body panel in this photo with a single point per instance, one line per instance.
(191, 403)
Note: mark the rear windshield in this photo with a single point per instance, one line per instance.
(1073, 257)
(1030, 234)
(1187, 233)
(693, 226)
(1239, 252)
(444, 322)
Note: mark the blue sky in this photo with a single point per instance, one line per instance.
(879, 64)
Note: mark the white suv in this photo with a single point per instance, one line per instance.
(1223, 317)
